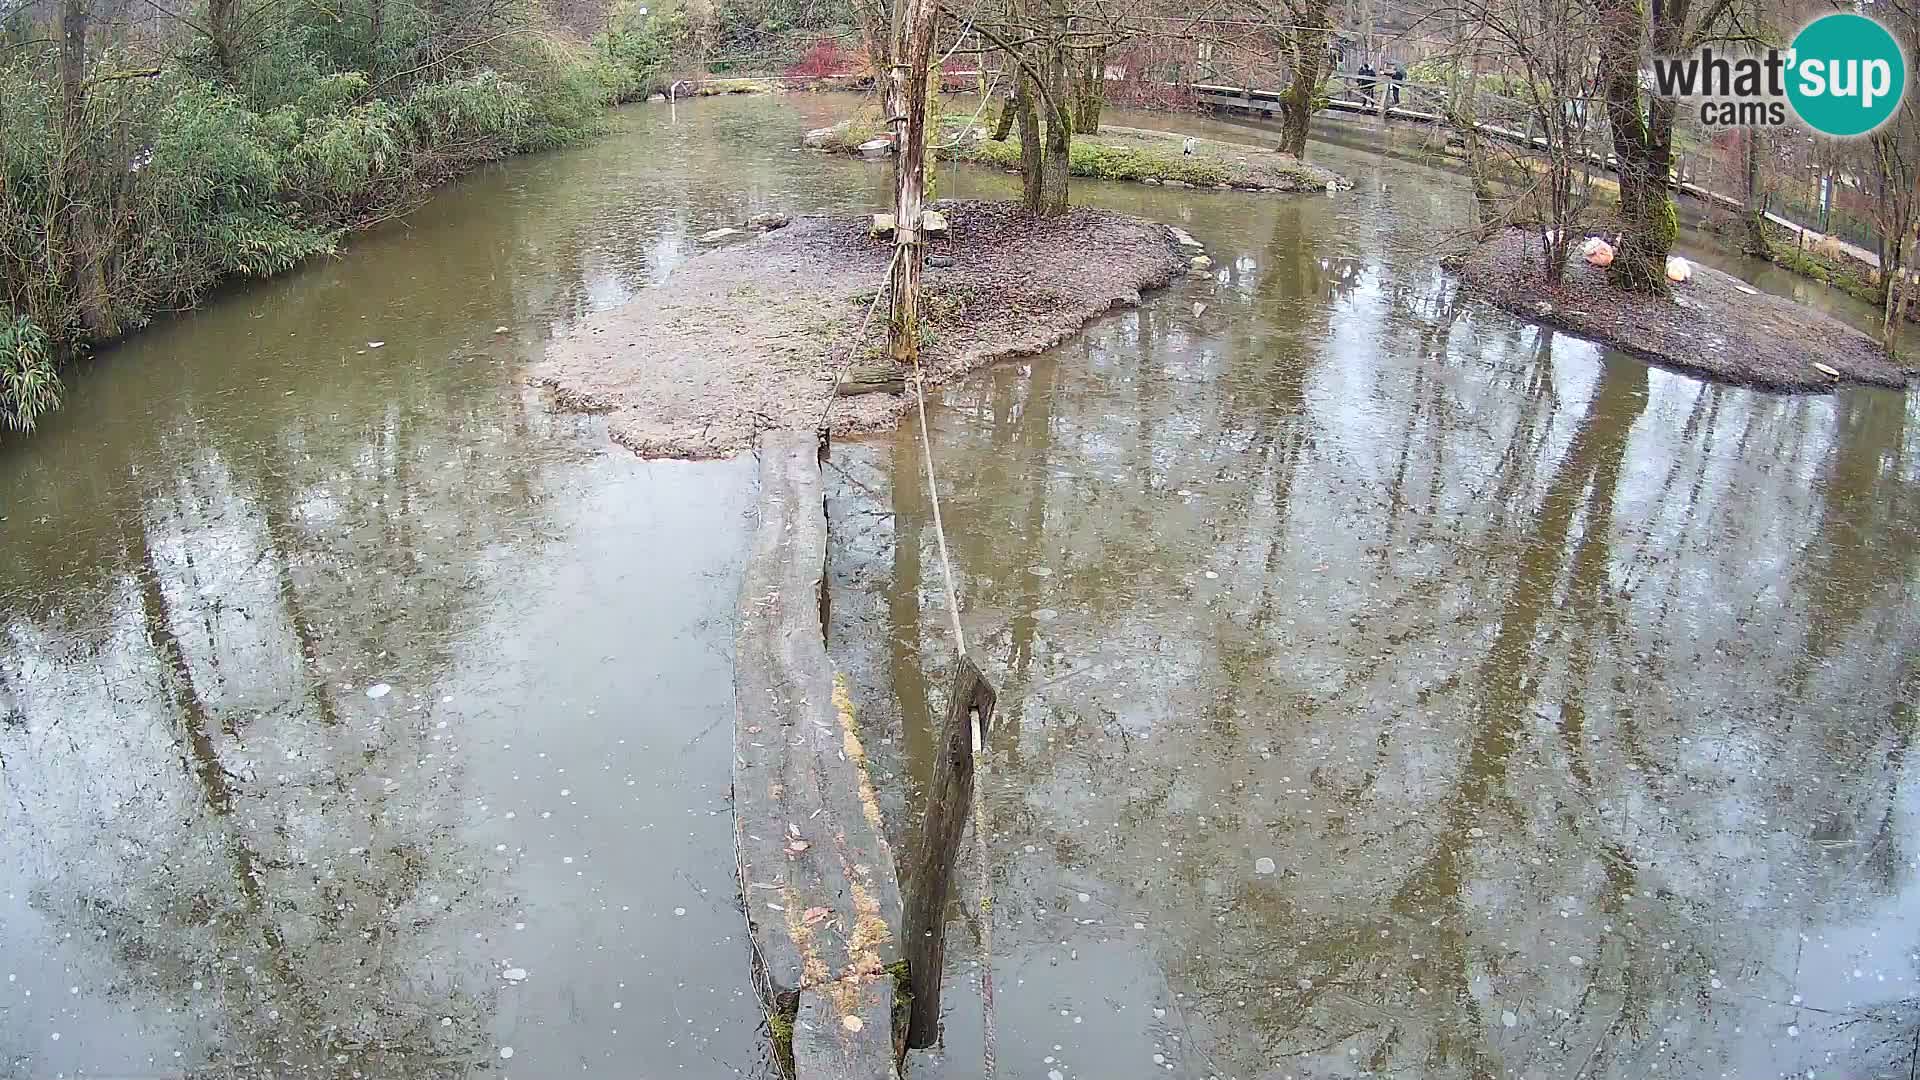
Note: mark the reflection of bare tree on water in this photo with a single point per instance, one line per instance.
(304, 860)
(1435, 893)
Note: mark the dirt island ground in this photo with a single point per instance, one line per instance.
(752, 336)
(1714, 325)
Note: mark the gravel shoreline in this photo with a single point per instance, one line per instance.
(751, 336)
(1715, 325)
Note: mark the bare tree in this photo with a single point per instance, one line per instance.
(1895, 150)
(1544, 47)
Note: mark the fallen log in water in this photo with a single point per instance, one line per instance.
(822, 900)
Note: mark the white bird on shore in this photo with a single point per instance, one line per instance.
(1190, 145)
(1678, 269)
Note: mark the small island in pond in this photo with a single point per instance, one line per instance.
(755, 334)
(1112, 153)
(1714, 324)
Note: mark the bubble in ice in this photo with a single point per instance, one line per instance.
(1793, 1031)
(1576, 961)
(514, 974)
(1508, 1018)
(1263, 865)
(1046, 614)
(679, 911)
(1084, 897)
(506, 1052)
(1039, 571)
(446, 1021)
(1054, 1074)
(379, 690)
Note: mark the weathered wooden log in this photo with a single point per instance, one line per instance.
(937, 847)
(872, 377)
(822, 901)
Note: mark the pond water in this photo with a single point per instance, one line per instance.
(361, 717)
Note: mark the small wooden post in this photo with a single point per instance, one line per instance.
(937, 848)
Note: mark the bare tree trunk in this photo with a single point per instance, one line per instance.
(909, 82)
(1056, 155)
(1893, 285)
(376, 31)
(1753, 206)
(1486, 205)
(1044, 154)
(220, 33)
(1089, 88)
(1643, 148)
(1028, 112)
(1309, 47)
(1003, 126)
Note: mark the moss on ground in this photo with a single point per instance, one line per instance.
(1097, 162)
(1846, 275)
(780, 1027)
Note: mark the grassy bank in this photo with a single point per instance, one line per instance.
(1119, 153)
(183, 157)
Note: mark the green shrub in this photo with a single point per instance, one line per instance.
(342, 156)
(244, 167)
(29, 385)
(483, 107)
(638, 50)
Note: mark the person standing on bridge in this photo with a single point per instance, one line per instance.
(1366, 82)
(1399, 76)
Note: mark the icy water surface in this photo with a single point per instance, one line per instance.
(1394, 688)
